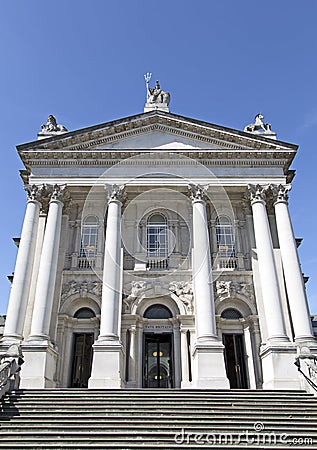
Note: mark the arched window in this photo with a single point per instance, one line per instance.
(158, 312)
(156, 237)
(231, 313)
(225, 237)
(84, 313)
(89, 237)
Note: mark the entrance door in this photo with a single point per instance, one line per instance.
(235, 361)
(158, 361)
(82, 359)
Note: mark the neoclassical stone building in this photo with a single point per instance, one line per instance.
(157, 251)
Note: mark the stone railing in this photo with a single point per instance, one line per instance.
(156, 264)
(225, 263)
(10, 366)
(307, 366)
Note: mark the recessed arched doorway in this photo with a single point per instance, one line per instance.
(158, 351)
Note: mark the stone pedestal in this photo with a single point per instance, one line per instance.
(38, 370)
(279, 371)
(107, 366)
(209, 371)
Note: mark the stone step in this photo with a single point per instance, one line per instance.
(157, 419)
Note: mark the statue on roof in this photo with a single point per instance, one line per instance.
(51, 126)
(258, 125)
(156, 98)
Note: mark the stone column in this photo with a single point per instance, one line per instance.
(132, 357)
(47, 272)
(268, 276)
(23, 269)
(291, 266)
(208, 351)
(202, 276)
(40, 354)
(108, 346)
(184, 359)
(277, 353)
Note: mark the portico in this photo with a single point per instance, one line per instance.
(157, 251)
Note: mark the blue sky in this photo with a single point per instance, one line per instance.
(223, 62)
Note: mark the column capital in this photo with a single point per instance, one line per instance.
(280, 193)
(33, 193)
(257, 193)
(197, 192)
(116, 193)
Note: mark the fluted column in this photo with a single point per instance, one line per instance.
(291, 266)
(202, 275)
(267, 271)
(111, 296)
(23, 268)
(47, 271)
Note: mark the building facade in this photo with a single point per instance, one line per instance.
(158, 251)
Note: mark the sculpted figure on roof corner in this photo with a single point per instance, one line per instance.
(51, 126)
(258, 125)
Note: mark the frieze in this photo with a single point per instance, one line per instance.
(184, 291)
(81, 289)
(137, 290)
(232, 288)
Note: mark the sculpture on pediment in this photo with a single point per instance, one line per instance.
(156, 95)
(258, 125)
(51, 126)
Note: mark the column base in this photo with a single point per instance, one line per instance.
(209, 366)
(279, 371)
(11, 339)
(106, 365)
(39, 368)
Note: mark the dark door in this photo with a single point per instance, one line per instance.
(158, 361)
(235, 361)
(82, 359)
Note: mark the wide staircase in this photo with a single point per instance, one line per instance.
(157, 419)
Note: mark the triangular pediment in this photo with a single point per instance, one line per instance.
(158, 131)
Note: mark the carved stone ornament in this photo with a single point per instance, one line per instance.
(184, 291)
(156, 98)
(230, 288)
(33, 193)
(197, 192)
(280, 192)
(81, 288)
(51, 126)
(259, 126)
(257, 193)
(116, 193)
(137, 289)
